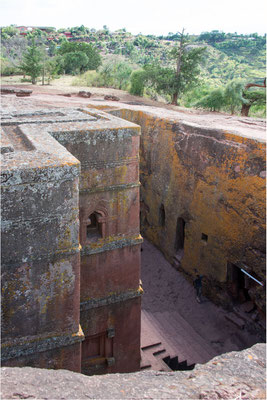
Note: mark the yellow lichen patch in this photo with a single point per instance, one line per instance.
(214, 182)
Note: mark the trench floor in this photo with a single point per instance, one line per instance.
(174, 324)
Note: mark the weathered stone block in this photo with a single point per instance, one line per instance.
(42, 204)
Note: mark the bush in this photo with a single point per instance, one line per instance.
(94, 58)
(258, 111)
(86, 79)
(113, 74)
(25, 80)
(214, 101)
(7, 68)
(138, 82)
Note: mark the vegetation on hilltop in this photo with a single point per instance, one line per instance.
(146, 64)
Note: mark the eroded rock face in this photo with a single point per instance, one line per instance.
(203, 199)
(236, 375)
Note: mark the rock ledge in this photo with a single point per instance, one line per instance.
(236, 375)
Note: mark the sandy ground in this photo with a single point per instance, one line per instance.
(165, 289)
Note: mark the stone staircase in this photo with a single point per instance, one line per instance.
(168, 343)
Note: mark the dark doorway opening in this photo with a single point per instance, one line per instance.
(162, 215)
(238, 284)
(179, 240)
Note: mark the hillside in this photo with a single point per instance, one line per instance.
(228, 56)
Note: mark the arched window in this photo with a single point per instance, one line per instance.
(94, 226)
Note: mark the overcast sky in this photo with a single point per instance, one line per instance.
(146, 16)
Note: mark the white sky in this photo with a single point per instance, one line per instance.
(146, 16)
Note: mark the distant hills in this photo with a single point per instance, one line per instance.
(229, 55)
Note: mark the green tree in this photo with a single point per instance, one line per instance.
(176, 81)
(253, 98)
(31, 62)
(106, 74)
(52, 48)
(54, 66)
(75, 62)
(138, 82)
(212, 37)
(197, 93)
(233, 95)
(6, 67)
(122, 73)
(114, 73)
(214, 101)
(94, 58)
(13, 49)
(9, 31)
(187, 67)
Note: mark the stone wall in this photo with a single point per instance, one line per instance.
(203, 199)
(40, 249)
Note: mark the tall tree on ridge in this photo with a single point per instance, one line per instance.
(31, 62)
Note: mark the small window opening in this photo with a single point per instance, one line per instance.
(162, 215)
(204, 237)
(94, 226)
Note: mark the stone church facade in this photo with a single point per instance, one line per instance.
(70, 241)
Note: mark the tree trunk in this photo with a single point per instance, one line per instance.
(256, 85)
(245, 110)
(174, 98)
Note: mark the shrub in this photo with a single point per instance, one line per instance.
(138, 82)
(213, 101)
